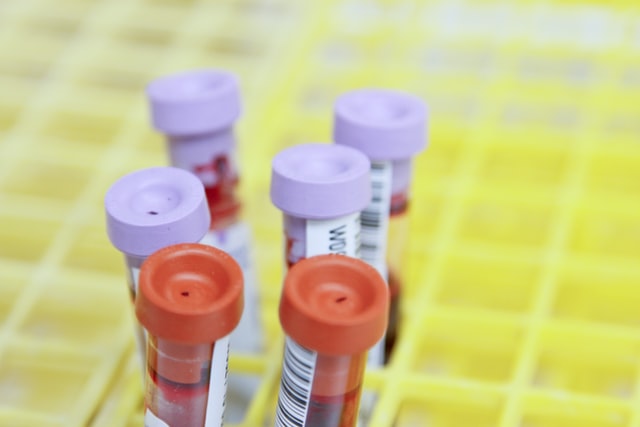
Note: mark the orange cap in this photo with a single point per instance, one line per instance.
(190, 293)
(334, 304)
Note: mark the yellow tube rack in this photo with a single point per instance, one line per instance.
(523, 304)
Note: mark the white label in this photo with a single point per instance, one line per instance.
(151, 420)
(375, 357)
(334, 236)
(295, 385)
(217, 383)
(134, 273)
(375, 218)
(139, 332)
(236, 241)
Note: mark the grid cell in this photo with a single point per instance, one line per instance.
(597, 231)
(477, 281)
(80, 126)
(475, 348)
(506, 222)
(41, 388)
(9, 115)
(546, 411)
(522, 164)
(24, 238)
(10, 287)
(615, 174)
(604, 296)
(45, 178)
(81, 315)
(92, 250)
(436, 411)
(608, 371)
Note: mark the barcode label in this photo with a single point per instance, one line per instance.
(334, 236)
(217, 383)
(295, 386)
(374, 219)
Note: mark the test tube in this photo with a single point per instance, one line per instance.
(321, 189)
(196, 111)
(390, 127)
(149, 209)
(333, 309)
(189, 301)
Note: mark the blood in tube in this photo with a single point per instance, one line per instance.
(150, 209)
(333, 309)
(390, 127)
(328, 405)
(321, 189)
(190, 300)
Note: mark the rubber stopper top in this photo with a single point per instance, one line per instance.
(190, 293)
(194, 102)
(334, 304)
(383, 124)
(152, 208)
(320, 181)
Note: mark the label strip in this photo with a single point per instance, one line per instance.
(295, 386)
(218, 383)
(334, 236)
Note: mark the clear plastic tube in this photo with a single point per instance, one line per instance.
(190, 299)
(333, 309)
(177, 382)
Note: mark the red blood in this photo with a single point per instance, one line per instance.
(178, 404)
(221, 196)
(334, 411)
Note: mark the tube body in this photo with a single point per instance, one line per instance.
(319, 390)
(178, 382)
(212, 158)
(185, 383)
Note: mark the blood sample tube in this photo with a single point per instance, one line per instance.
(196, 111)
(149, 209)
(390, 128)
(190, 299)
(321, 189)
(333, 309)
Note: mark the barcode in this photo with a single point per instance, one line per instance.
(295, 386)
(374, 217)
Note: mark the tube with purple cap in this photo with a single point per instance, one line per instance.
(390, 127)
(196, 111)
(321, 189)
(150, 209)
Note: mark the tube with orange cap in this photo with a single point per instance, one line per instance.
(190, 299)
(333, 310)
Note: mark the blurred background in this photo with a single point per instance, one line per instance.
(523, 297)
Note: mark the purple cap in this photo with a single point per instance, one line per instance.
(156, 207)
(194, 102)
(383, 124)
(320, 181)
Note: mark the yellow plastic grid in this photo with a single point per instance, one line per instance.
(522, 304)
